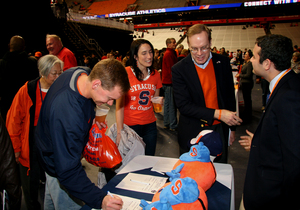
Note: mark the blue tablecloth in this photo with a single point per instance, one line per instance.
(218, 195)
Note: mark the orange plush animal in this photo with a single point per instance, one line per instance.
(196, 165)
(183, 194)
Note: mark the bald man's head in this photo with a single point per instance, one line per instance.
(17, 43)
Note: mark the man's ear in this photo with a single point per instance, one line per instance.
(96, 83)
(267, 64)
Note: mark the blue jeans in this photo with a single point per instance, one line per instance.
(57, 198)
(170, 116)
(149, 134)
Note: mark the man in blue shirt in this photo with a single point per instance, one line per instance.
(66, 117)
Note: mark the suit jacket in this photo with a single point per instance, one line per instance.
(273, 174)
(189, 96)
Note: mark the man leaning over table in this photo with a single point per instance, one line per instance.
(273, 174)
(62, 132)
(204, 92)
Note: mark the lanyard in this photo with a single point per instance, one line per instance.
(41, 91)
(287, 71)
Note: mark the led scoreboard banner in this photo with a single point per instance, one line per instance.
(266, 3)
(217, 21)
(169, 10)
(195, 8)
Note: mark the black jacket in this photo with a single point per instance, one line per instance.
(189, 96)
(9, 173)
(273, 173)
(16, 68)
(247, 73)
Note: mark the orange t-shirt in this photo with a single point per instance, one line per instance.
(207, 79)
(138, 108)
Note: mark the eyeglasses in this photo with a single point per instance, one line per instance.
(56, 74)
(202, 49)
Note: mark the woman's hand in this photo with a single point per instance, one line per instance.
(118, 139)
(17, 155)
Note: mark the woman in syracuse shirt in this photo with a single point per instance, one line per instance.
(135, 108)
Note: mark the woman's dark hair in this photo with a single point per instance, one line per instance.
(276, 48)
(250, 53)
(134, 48)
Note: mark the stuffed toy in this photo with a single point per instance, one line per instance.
(161, 204)
(211, 139)
(196, 165)
(182, 194)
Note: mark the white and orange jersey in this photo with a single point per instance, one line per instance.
(138, 108)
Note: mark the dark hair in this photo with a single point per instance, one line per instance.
(88, 58)
(276, 48)
(110, 72)
(250, 53)
(134, 49)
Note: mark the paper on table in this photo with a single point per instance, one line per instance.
(165, 165)
(142, 183)
(130, 203)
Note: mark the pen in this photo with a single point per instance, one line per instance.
(160, 172)
(108, 193)
(132, 180)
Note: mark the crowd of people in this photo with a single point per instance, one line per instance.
(49, 109)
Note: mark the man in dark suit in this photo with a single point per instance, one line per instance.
(204, 91)
(16, 68)
(273, 173)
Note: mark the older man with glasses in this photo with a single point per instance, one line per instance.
(204, 92)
